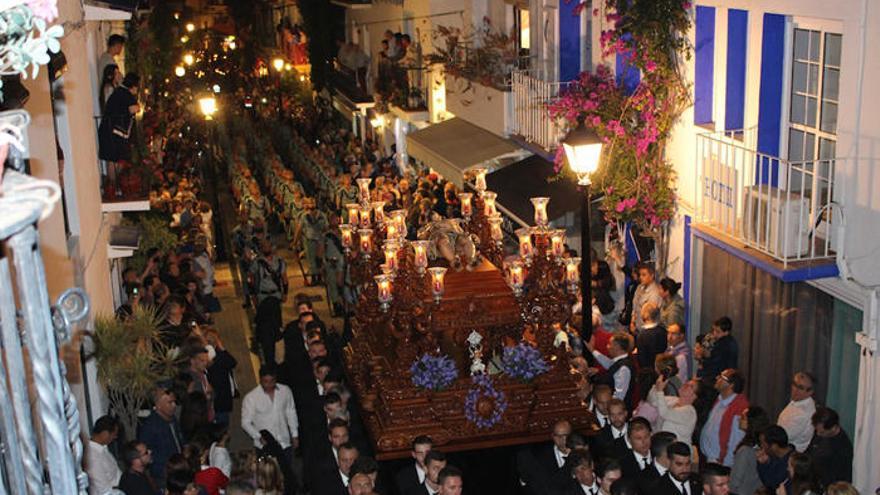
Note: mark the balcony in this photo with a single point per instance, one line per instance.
(780, 211)
(531, 120)
(351, 85)
(405, 89)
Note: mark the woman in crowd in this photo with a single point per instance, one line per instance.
(744, 474)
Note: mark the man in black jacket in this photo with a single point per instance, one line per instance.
(719, 351)
(660, 441)
(221, 379)
(831, 449)
(412, 476)
(650, 337)
(677, 481)
(136, 479)
(633, 451)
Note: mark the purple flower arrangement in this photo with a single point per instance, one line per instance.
(484, 405)
(523, 362)
(433, 372)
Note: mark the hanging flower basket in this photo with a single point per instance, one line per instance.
(484, 406)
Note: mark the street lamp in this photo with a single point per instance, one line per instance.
(190, 27)
(179, 71)
(583, 148)
(188, 59)
(278, 63)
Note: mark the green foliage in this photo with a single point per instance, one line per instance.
(481, 54)
(155, 233)
(130, 361)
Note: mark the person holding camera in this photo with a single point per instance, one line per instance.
(676, 413)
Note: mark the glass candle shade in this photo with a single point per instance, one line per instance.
(517, 275)
(364, 189)
(391, 248)
(557, 243)
(420, 250)
(467, 207)
(495, 231)
(353, 213)
(489, 203)
(399, 219)
(365, 216)
(365, 237)
(345, 231)
(383, 286)
(391, 231)
(524, 236)
(438, 275)
(480, 179)
(572, 271)
(378, 212)
(540, 204)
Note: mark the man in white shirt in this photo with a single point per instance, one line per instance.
(619, 367)
(101, 466)
(270, 407)
(115, 44)
(647, 291)
(796, 417)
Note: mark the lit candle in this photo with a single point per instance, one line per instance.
(366, 241)
(525, 242)
(390, 248)
(495, 222)
(378, 212)
(365, 217)
(517, 276)
(480, 179)
(399, 218)
(466, 205)
(383, 284)
(353, 217)
(364, 189)
(557, 243)
(346, 230)
(437, 282)
(420, 249)
(572, 274)
(489, 203)
(540, 205)
(391, 230)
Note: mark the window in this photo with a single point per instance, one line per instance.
(522, 30)
(814, 97)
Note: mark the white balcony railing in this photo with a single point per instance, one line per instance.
(531, 120)
(780, 208)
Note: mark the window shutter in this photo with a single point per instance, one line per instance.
(770, 95)
(735, 98)
(704, 64)
(569, 41)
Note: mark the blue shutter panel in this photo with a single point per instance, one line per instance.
(627, 75)
(569, 41)
(770, 95)
(704, 64)
(735, 97)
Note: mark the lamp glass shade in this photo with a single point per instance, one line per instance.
(278, 63)
(583, 148)
(208, 106)
(346, 231)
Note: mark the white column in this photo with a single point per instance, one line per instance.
(866, 476)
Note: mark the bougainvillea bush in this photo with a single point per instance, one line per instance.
(637, 181)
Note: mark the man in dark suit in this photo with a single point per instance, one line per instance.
(677, 481)
(614, 430)
(658, 468)
(634, 450)
(549, 458)
(323, 455)
(715, 479)
(650, 337)
(581, 479)
(413, 475)
(435, 461)
(335, 482)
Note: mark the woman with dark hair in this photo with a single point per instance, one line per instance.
(802, 476)
(110, 79)
(672, 310)
(115, 128)
(744, 474)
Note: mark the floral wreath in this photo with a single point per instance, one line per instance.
(433, 372)
(484, 405)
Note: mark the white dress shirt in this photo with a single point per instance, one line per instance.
(615, 434)
(560, 457)
(660, 469)
(797, 420)
(674, 418)
(622, 376)
(590, 489)
(344, 479)
(421, 474)
(642, 460)
(102, 468)
(277, 415)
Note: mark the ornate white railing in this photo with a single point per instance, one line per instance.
(40, 448)
(531, 120)
(782, 209)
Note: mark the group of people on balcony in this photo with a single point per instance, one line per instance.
(118, 103)
(400, 74)
(293, 42)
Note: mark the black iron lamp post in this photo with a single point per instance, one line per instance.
(583, 148)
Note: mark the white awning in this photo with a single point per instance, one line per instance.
(454, 146)
(99, 13)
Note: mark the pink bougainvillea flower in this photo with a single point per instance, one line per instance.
(686, 5)
(44, 9)
(650, 66)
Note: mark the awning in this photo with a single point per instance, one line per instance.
(516, 184)
(108, 11)
(454, 146)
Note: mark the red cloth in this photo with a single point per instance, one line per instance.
(212, 480)
(736, 408)
(601, 338)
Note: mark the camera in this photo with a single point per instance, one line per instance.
(667, 373)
